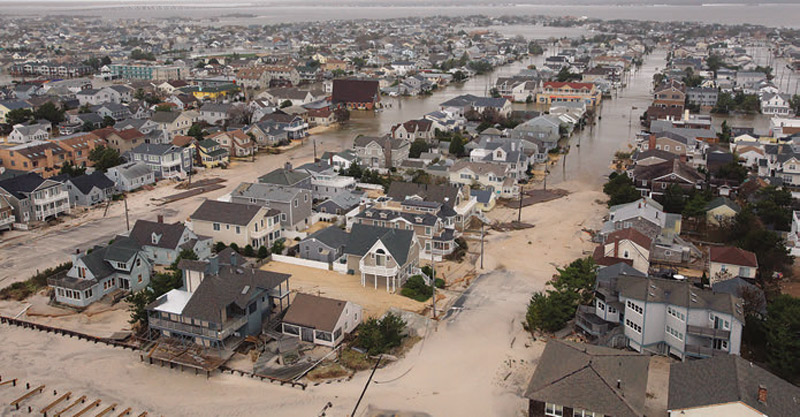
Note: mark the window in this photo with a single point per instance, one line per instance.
(633, 326)
(675, 333)
(584, 413)
(720, 344)
(601, 305)
(238, 230)
(675, 313)
(553, 410)
(139, 279)
(295, 202)
(216, 227)
(634, 307)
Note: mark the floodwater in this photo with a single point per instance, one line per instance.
(248, 12)
(591, 149)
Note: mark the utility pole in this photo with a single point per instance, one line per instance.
(483, 225)
(127, 222)
(521, 193)
(353, 414)
(314, 141)
(433, 281)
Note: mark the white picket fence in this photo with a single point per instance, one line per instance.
(299, 261)
(340, 267)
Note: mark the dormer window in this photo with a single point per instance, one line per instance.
(384, 215)
(155, 238)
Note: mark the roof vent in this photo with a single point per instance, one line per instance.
(762, 394)
(245, 289)
(239, 271)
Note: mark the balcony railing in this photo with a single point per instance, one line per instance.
(708, 332)
(588, 321)
(696, 350)
(377, 270)
(230, 327)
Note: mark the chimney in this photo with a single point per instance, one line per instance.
(651, 144)
(287, 166)
(213, 265)
(762, 394)
(686, 115)
(160, 218)
(619, 384)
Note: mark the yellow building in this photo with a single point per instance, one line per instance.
(569, 92)
(211, 92)
(721, 210)
(211, 153)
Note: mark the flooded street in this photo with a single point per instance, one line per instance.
(591, 149)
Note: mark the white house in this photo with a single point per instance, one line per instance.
(321, 320)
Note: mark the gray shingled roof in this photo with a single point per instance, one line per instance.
(315, 312)
(363, 237)
(168, 235)
(224, 212)
(585, 376)
(730, 379)
(331, 236)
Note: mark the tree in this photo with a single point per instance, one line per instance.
(494, 92)
(196, 131)
(84, 109)
(219, 247)
(108, 121)
(88, 126)
(550, 311)
(696, 206)
(341, 115)
(620, 189)
(19, 116)
(774, 207)
(69, 168)
(138, 54)
(459, 76)
(354, 170)
(417, 148)
(535, 49)
(724, 134)
(782, 328)
(420, 177)
(380, 336)
(286, 103)
(578, 277)
(164, 108)
(138, 302)
(249, 251)
(277, 246)
(674, 199)
(794, 102)
(50, 112)
(104, 158)
(457, 146)
(263, 252)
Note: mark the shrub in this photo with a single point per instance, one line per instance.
(263, 252)
(235, 247)
(438, 282)
(380, 336)
(219, 247)
(278, 246)
(416, 289)
(249, 252)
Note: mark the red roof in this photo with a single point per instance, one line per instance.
(631, 234)
(575, 86)
(602, 260)
(733, 256)
(130, 134)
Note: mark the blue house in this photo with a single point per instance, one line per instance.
(221, 302)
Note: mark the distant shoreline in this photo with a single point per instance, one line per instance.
(243, 12)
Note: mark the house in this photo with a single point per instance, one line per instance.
(486, 199)
(517, 88)
(776, 104)
(6, 214)
(131, 176)
(269, 133)
(557, 92)
(236, 142)
(721, 210)
(321, 117)
(544, 131)
(166, 161)
(625, 245)
(287, 177)
(115, 111)
(211, 154)
(175, 123)
(356, 94)
(728, 385)
(242, 224)
(705, 98)
(35, 199)
(29, 133)
(510, 153)
(494, 178)
(574, 379)
(221, 302)
(340, 203)
(293, 205)
(320, 320)
(645, 215)
(340, 161)
(450, 202)
(94, 96)
(125, 140)
(78, 147)
(429, 228)
(89, 189)
(381, 152)
(468, 102)
(119, 267)
(670, 94)
(655, 179)
(215, 113)
(381, 255)
(163, 242)
(295, 127)
(414, 129)
(41, 157)
(326, 245)
(728, 261)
